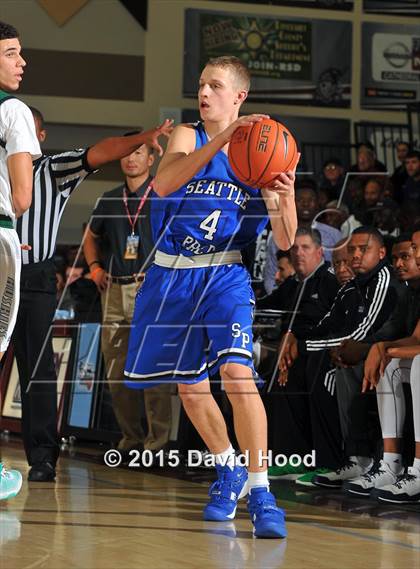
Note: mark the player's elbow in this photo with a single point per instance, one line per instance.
(283, 241)
(160, 187)
(22, 201)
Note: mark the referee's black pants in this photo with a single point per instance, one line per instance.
(32, 343)
(303, 415)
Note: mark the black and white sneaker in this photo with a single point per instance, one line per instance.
(335, 478)
(378, 476)
(406, 490)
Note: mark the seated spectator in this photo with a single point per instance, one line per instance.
(385, 218)
(373, 193)
(399, 176)
(307, 208)
(285, 269)
(306, 257)
(303, 415)
(284, 279)
(404, 262)
(360, 172)
(361, 309)
(332, 178)
(340, 218)
(388, 366)
(408, 273)
(388, 189)
(353, 195)
(411, 187)
(366, 160)
(340, 263)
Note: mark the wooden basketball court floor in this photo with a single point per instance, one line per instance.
(96, 517)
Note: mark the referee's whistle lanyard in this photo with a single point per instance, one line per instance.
(132, 221)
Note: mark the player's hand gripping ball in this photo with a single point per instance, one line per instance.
(258, 154)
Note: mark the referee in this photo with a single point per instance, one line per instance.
(55, 178)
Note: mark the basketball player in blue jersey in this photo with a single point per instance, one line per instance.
(193, 315)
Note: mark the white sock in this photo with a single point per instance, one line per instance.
(416, 464)
(393, 460)
(226, 458)
(258, 479)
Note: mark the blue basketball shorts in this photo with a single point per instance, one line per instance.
(187, 323)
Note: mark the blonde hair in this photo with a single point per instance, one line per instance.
(237, 67)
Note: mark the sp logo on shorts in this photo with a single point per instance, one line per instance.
(237, 333)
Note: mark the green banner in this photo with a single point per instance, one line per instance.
(277, 49)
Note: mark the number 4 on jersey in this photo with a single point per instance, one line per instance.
(209, 224)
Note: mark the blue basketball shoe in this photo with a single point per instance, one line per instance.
(268, 519)
(10, 483)
(225, 492)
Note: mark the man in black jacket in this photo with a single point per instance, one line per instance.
(352, 352)
(362, 310)
(302, 415)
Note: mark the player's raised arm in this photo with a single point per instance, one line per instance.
(181, 161)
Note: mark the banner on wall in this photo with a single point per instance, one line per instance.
(391, 65)
(323, 4)
(296, 61)
(400, 7)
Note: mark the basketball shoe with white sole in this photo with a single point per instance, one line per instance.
(406, 490)
(230, 486)
(268, 519)
(334, 479)
(378, 476)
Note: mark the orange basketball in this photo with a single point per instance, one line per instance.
(259, 153)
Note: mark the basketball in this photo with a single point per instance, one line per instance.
(259, 153)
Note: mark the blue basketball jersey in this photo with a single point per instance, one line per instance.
(213, 212)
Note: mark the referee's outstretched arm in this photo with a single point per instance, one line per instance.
(116, 147)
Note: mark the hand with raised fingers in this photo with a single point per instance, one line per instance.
(152, 136)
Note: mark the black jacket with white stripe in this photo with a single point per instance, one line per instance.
(363, 308)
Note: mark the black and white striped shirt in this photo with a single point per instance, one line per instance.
(55, 178)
